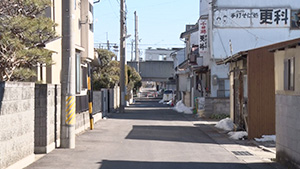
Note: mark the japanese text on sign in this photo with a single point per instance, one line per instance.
(203, 44)
(252, 18)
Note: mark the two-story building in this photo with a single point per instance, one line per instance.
(82, 46)
(226, 27)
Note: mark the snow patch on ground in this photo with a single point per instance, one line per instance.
(181, 108)
(266, 138)
(238, 135)
(225, 124)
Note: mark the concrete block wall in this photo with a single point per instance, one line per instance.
(16, 124)
(47, 114)
(116, 97)
(58, 114)
(111, 100)
(216, 106)
(82, 122)
(288, 130)
(97, 102)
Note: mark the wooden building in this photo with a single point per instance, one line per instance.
(252, 90)
(287, 87)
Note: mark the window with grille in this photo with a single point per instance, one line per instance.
(289, 74)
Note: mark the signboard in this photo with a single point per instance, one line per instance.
(203, 39)
(258, 18)
(295, 17)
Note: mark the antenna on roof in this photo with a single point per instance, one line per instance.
(230, 45)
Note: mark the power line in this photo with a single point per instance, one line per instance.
(117, 16)
(145, 44)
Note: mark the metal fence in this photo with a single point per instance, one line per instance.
(82, 103)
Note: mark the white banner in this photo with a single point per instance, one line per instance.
(278, 17)
(203, 38)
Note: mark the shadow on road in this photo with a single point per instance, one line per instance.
(107, 164)
(149, 109)
(169, 133)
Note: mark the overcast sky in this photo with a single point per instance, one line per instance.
(160, 21)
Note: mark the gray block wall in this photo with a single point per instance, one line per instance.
(47, 117)
(288, 130)
(16, 122)
(82, 122)
(216, 106)
(97, 102)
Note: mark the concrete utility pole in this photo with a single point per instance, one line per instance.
(137, 54)
(122, 56)
(107, 41)
(132, 50)
(68, 98)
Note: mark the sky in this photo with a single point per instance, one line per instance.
(160, 22)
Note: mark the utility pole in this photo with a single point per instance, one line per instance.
(108, 47)
(132, 50)
(68, 98)
(122, 56)
(137, 57)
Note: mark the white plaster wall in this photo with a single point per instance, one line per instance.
(204, 4)
(153, 54)
(248, 38)
(222, 72)
(194, 38)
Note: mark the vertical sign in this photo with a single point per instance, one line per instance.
(203, 39)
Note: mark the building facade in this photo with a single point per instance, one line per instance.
(158, 54)
(83, 33)
(287, 87)
(227, 27)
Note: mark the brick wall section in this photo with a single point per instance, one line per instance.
(288, 130)
(16, 122)
(216, 106)
(47, 112)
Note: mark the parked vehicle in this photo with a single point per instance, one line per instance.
(168, 95)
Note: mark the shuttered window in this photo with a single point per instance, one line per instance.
(289, 74)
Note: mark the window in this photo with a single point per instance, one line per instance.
(289, 74)
(84, 77)
(91, 9)
(91, 27)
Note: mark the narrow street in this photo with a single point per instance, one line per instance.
(151, 136)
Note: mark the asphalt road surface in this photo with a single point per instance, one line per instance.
(148, 135)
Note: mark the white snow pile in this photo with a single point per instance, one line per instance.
(181, 108)
(239, 135)
(266, 138)
(225, 124)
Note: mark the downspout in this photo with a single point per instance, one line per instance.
(210, 22)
